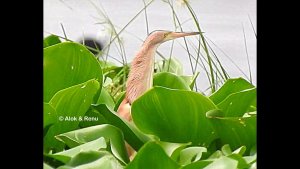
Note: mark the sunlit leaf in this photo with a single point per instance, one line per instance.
(65, 156)
(67, 64)
(109, 132)
(151, 156)
(170, 80)
(174, 115)
(70, 104)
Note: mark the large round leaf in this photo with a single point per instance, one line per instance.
(70, 103)
(230, 86)
(235, 131)
(174, 115)
(67, 64)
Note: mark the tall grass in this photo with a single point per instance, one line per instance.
(202, 57)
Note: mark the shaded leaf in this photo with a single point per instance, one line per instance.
(174, 115)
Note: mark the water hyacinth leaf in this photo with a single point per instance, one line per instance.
(191, 80)
(50, 116)
(240, 150)
(170, 80)
(237, 104)
(173, 149)
(105, 98)
(151, 156)
(93, 160)
(191, 154)
(132, 135)
(67, 64)
(169, 65)
(174, 115)
(51, 40)
(226, 150)
(242, 163)
(223, 163)
(197, 165)
(65, 156)
(70, 104)
(235, 131)
(229, 87)
(112, 134)
(46, 166)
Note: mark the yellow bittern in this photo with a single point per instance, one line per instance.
(140, 77)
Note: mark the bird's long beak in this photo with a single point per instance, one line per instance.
(175, 35)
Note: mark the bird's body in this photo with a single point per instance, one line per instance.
(140, 77)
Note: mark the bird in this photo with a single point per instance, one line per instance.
(140, 78)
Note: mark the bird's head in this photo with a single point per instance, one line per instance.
(160, 36)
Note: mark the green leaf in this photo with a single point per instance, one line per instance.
(237, 104)
(67, 64)
(197, 165)
(240, 150)
(119, 100)
(174, 115)
(132, 135)
(229, 87)
(72, 102)
(191, 80)
(51, 40)
(105, 98)
(223, 163)
(170, 80)
(235, 131)
(65, 156)
(216, 154)
(170, 65)
(242, 163)
(109, 132)
(191, 154)
(151, 156)
(226, 150)
(50, 116)
(46, 166)
(172, 149)
(93, 160)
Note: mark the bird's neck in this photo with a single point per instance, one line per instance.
(149, 54)
(140, 77)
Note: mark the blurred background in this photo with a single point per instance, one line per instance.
(228, 25)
